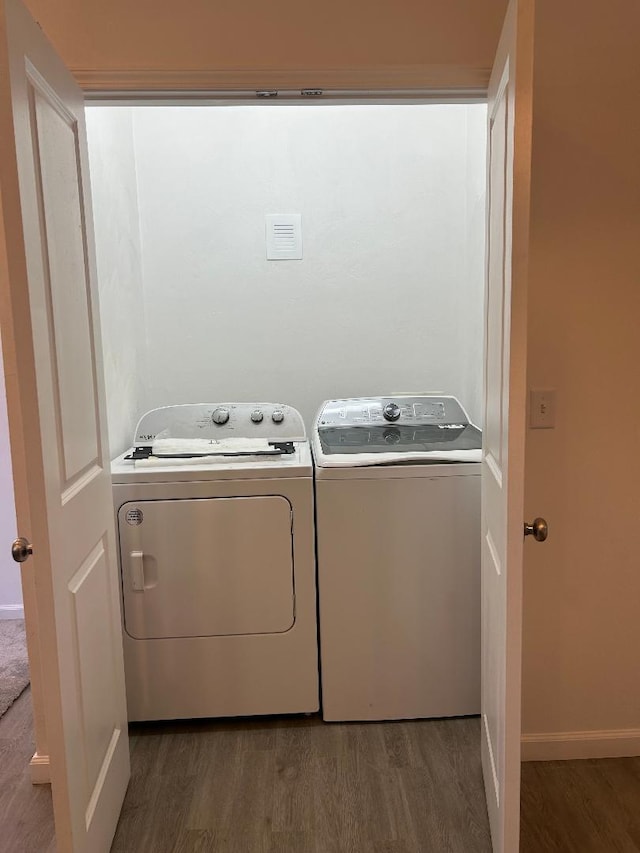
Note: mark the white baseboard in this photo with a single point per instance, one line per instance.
(40, 772)
(559, 746)
(11, 611)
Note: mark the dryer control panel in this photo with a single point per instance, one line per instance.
(402, 411)
(271, 421)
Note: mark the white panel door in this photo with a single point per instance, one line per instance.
(55, 394)
(508, 179)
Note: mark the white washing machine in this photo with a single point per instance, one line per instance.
(398, 545)
(214, 513)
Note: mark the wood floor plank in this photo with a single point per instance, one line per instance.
(386, 804)
(622, 777)
(399, 846)
(590, 790)
(539, 820)
(26, 810)
(195, 841)
(232, 840)
(292, 842)
(252, 807)
(399, 745)
(569, 806)
(447, 773)
(357, 804)
(295, 763)
(156, 828)
(440, 814)
(333, 806)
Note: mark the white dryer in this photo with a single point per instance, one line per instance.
(214, 514)
(398, 545)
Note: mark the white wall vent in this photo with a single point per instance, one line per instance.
(284, 236)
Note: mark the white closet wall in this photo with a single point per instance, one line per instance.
(471, 293)
(119, 260)
(388, 295)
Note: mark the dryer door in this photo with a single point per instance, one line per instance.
(206, 567)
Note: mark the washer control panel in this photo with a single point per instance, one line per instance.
(273, 421)
(402, 411)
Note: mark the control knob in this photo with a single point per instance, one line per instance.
(391, 412)
(220, 416)
(257, 416)
(278, 416)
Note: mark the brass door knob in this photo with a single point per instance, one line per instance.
(539, 529)
(21, 550)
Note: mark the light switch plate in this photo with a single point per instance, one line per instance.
(542, 409)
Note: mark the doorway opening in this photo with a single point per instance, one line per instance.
(386, 298)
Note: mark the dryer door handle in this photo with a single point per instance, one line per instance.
(136, 569)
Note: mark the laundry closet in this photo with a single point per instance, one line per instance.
(253, 262)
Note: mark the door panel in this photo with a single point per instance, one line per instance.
(56, 409)
(89, 589)
(508, 179)
(58, 172)
(495, 352)
(208, 567)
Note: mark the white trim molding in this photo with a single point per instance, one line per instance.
(11, 611)
(40, 769)
(455, 80)
(560, 746)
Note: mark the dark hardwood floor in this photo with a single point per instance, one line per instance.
(295, 785)
(590, 806)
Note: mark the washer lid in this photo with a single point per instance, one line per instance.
(400, 439)
(391, 430)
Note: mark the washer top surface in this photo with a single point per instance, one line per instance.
(379, 431)
(216, 441)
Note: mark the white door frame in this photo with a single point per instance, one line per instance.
(174, 89)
